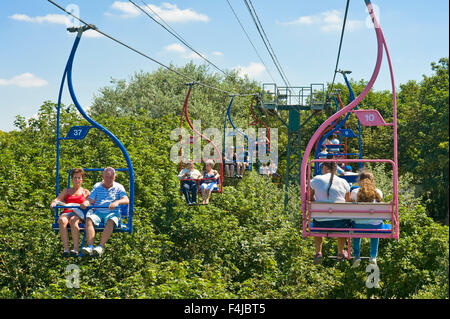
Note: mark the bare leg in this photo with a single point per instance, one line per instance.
(203, 195)
(107, 232)
(75, 230)
(341, 241)
(208, 194)
(318, 242)
(228, 170)
(63, 221)
(90, 231)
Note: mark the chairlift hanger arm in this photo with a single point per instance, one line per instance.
(381, 44)
(231, 121)
(352, 97)
(188, 120)
(68, 76)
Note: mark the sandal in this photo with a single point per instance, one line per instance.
(318, 259)
(342, 256)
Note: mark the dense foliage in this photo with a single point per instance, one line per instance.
(240, 246)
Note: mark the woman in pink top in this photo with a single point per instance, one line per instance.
(73, 196)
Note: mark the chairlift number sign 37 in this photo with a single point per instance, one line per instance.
(78, 132)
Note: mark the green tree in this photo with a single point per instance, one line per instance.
(240, 246)
(425, 142)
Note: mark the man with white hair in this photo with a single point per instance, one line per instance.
(110, 195)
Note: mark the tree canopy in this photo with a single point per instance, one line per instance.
(240, 246)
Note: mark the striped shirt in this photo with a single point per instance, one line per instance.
(104, 197)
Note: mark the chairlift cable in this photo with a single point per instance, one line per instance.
(266, 44)
(339, 50)
(93, 27)
(267, 38)
(169, 29)
(250, 40)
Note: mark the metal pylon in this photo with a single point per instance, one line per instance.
(294, 100)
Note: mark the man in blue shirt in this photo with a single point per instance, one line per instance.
(110, 195)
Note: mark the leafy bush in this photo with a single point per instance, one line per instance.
(242, 245)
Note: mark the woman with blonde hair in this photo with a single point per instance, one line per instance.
(209, 181)
(368, 193)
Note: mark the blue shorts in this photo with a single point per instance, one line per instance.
(209, 186)
(103, 217)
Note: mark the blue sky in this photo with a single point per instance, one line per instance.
(304, 35)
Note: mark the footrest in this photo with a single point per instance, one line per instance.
(120, 229)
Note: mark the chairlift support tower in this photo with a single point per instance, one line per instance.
(293, 100)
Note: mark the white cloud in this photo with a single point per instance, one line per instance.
(328, 21)
(127, 8)
(331, 17)
(175, 47)
(193, 56)
(217, 53)
(92, 34)
(49, 18)
(352, 25)
(307, 20)
(169, 12)
(55, 19)
(25, 80)
(182, 51)
(253, 70)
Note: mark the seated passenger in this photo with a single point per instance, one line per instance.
(273, 167)
(109, 194)
(335, 141)
(230, 161)
(339, 169)
(348, 172)
(323, 152)
(266, 144)
(73, 196)
(326, 141)
(188, 177)
(241, 161)
(367, 192)
(264, 169)
(209, 181)
(330, 188)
